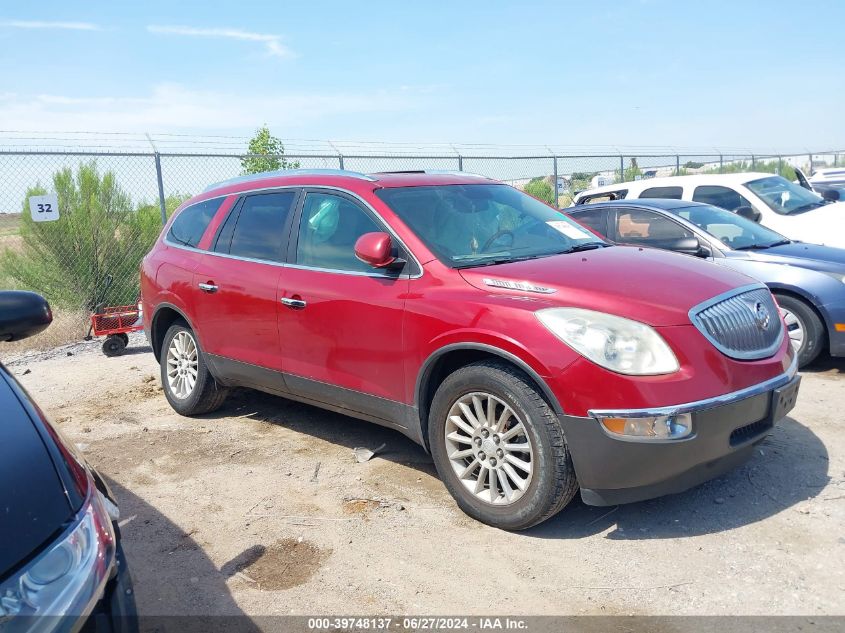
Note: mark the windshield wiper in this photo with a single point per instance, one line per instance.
(586, 246)
(760, 247)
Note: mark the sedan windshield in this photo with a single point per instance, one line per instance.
(474, 225)
(784, 197)
(729, 228)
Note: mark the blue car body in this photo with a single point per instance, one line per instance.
(811, 272)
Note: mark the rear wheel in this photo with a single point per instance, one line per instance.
(804, 328)
(189, 387)
(499, 447)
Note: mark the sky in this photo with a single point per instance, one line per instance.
(615, 74)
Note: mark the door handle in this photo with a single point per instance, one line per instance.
(293, 303)
(207, 287)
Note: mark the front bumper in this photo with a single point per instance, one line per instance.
(115, 612)
(613, 469)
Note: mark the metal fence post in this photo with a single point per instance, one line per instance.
(677, 164)
(780, 165)
(721, 164)
(460, 163)
(753, 162)
(810, 166)
(160, 189)
(555, 185)
(340, 160)
(621, 169)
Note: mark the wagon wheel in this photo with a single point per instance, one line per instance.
(114, 344)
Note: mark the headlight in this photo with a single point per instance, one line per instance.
(618, 344)
(67, 578)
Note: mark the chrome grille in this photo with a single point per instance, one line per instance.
(744, 324)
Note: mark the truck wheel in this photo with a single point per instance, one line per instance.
(189, 387)
(114, 345)
(804, 328)
(499, 447)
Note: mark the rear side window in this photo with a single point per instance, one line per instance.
(603, 197)
(637, 226)
(673, 193)
(596, 219)
(720, 196)
(190, 225)
(259, 232)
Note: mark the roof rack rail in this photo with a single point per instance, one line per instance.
(289, 172)
(445, 172)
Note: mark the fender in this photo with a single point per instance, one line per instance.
(154, 327)
(427, 366)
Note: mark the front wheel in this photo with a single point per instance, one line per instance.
(804, 328)
(499, 447)
(188, 386)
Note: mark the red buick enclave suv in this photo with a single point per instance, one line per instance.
(529, 356)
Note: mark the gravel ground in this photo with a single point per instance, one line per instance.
(262, 509)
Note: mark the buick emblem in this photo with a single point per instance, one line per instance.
(762, 318)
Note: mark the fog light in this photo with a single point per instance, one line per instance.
(662, 427)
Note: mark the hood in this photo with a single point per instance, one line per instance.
(812, 256)
(34, 506)
(824, 225)
(647, 285)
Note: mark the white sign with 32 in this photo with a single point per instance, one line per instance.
(44, 208)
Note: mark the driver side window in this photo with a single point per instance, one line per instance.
(328, 229)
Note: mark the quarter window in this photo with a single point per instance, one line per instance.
(719, 196)
(673, 193)
(189, 226)
(329, 227)
(260, 229)
(596, 219)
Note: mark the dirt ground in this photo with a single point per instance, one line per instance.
(261, 508)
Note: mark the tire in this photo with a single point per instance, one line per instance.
(801, 318)
(114, 345)
(205, 394)
(551, 483)
(124, 337)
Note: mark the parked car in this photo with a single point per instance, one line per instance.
(61, 552)
(773, 201)
(828, 183)
(807, 280)
(530, 356)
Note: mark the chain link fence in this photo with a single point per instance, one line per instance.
(111, 207)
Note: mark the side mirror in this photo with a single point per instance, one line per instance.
(831, 195)
(749, 213)
(22, 314)
(685, 245)
(376, 249)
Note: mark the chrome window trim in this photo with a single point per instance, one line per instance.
(755, 355)
(707, 403)
(384, 223)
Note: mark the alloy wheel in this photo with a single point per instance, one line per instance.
(489, 448)
(182, 365)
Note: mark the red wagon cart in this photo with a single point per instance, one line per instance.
(115, 323)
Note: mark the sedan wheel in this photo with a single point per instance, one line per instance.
(489, 448)
(794, 328)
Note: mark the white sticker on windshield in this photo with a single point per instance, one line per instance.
(569, 230)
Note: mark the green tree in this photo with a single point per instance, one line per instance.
(267, 154)
(98, 236)
(540, 189)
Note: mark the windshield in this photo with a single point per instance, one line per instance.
(784, 197)
(729, 228)
(471, 225)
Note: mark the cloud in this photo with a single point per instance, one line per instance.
(273, 43)
(171, 107)
(34, 24)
